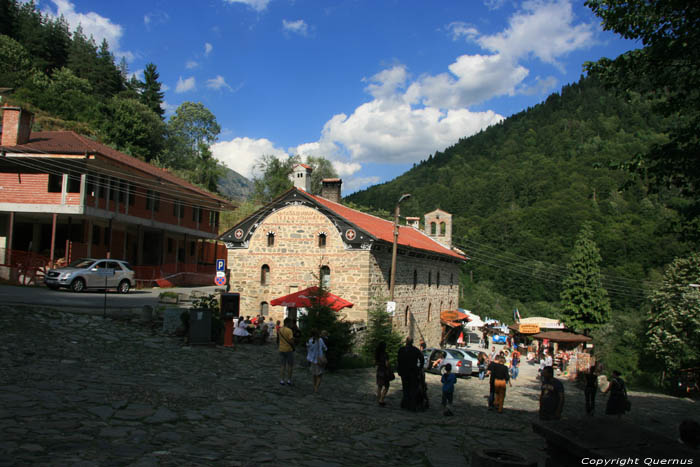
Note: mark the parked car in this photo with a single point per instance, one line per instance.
(435, 359)
(472, 356)
(89, 273)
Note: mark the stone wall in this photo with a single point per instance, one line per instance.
(360, 276)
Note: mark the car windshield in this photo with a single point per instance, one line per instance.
(81, 263)
(471, 354)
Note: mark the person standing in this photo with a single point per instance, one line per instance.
(316, 355)
(500, 375)
(551, 396)
(448, 381)
(515, 364)
(410, 362)
(483, 363)
(286, 350)
(617, 402)
(384, 372)
(590, 389)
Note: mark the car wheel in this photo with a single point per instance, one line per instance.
(124, 286)
(78, 285)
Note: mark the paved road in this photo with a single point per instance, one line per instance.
(95, 300)
(78, 389)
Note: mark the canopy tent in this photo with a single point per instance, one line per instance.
(304, 299)
(561, 336)
(452, 318)
(475, 321)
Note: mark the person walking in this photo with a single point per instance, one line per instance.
(384, 372)
(617, 401)
(483, 362)
(410, 362)
(515, 364)
(551, 396)
(500, 379)
(286, 350)
(448, 381)
(316, 355)
(590, 389)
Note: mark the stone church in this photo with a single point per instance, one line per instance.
(299, 239)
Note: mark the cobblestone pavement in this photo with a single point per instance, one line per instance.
(82, 390)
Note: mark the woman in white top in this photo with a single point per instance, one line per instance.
(241, 330)
(316, 355)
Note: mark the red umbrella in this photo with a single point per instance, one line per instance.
(304, 298)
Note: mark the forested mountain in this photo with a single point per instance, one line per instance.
(235, 186)
(520, 191)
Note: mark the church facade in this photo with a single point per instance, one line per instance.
(300, 239)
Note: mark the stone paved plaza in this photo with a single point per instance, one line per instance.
(81, 390)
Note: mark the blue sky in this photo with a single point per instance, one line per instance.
(374, 86)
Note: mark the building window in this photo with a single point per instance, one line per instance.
(415, 278)
(264, 309)
(73, 183)
(95, 234)
(430, 308)
(90, 185)
(192, 248)
(195, 213)
(264, 274)
(325, 276)
(322, 240)
(437, 280)
(152, 200)
(114, 190)
(102, 184)
(405, 317)
(433, 228)
(170, 245)
(451, 279)
(55, 183)
(270, 239)
(430, 278)
(443, 229)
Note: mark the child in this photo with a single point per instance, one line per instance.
(448, 388)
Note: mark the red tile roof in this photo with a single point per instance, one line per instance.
(305, 166)
(68, 142)
(384, 230)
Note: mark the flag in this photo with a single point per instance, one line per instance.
(516, 315)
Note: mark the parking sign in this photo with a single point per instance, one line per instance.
(220, 264)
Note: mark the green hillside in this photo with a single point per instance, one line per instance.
(521, 190)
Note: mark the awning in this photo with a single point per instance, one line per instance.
(561, 336)
(452, 324)
(543, 323)
(453, 315)
(304, 299)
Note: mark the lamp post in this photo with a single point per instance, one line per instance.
(404, 197)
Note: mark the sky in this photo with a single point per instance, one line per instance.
(372, 85)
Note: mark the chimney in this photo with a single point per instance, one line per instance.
(331, 189)
(16, 126)
(413, 222)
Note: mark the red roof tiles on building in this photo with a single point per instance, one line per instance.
(384, 230)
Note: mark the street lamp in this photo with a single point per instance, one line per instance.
(404, 197)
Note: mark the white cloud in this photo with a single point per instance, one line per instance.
(164, 87)
(257, 5)
(353, 184)
(241, 154)
(93, 25)
(297, 27)
(218, 83)
(185, 85)
(207, 49)
(387, 83)
(494, 4)
(168, 108)
(191, 64)
(345, 169)
(543, 29)
(541, 86)
(459, 29)
(155, 18)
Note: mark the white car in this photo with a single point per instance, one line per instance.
(89, 273)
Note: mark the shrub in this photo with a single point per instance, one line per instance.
(379, 329)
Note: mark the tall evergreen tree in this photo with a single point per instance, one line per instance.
(585, 303)
(673, 324)
(151, 95)
(108, 79)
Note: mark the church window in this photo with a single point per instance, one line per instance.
(264, 274)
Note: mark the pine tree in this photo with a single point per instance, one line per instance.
(151, 95)
(585, 303)
(673, 324)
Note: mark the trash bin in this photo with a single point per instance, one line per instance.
(200, 327)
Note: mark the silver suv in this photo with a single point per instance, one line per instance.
(89, 273)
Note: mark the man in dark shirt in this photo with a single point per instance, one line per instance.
(552, 396)
(499, 378)
(410, 361)
(489, 372)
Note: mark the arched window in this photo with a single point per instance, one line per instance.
(443, 229)
(451, 279)
(264, 274)
(270, 239)
(264, 309)
(405, 317)
(430, 308)
(433, 228)
(326, 276)
(415, 278)
(322, 240)
(437, 282)
(430, 278)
